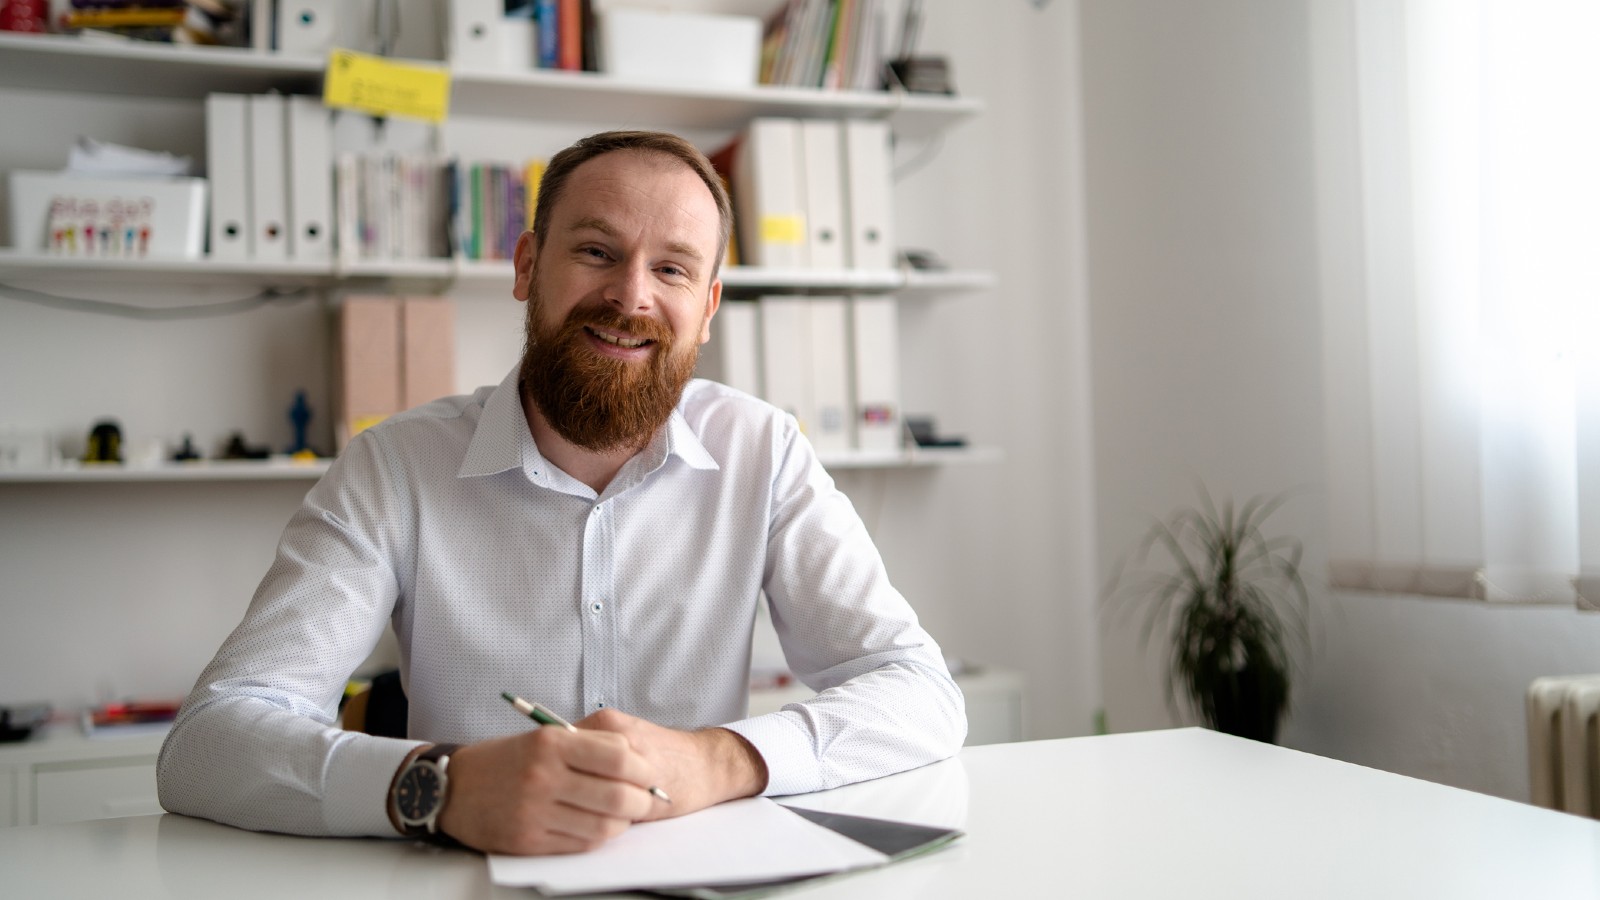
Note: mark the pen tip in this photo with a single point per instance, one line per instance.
(507, 695)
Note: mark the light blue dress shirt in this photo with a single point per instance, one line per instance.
(500, 572)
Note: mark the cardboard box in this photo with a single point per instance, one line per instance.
(98, 217)
(680, 48)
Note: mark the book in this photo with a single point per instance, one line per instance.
(130, 717)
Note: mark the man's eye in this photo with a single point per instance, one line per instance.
(674, 270)
(595, 252)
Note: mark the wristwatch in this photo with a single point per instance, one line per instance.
(420, 791)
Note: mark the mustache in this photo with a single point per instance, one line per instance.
(637, 327)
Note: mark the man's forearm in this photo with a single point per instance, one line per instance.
(743, 772)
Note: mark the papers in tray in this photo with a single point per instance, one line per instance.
(727, 850)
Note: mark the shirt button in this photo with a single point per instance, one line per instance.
(599, 704)
(596, 606)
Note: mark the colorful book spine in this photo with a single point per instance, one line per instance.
(549, 28)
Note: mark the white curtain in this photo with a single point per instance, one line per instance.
(1463, 323)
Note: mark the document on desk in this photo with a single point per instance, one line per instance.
(741, 842)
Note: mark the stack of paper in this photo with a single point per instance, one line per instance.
(744, 843)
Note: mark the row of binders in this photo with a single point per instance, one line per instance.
(831, 362)
(268, 162)
(812, 193)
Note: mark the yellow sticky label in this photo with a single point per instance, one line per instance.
(383, 87)
(783, 229)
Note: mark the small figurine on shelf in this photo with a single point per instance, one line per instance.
(300, 418)
(105, 443)
(236, 448)
(187, 452)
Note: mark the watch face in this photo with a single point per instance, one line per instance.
(417, 795)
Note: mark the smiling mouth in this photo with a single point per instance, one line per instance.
(627, 343)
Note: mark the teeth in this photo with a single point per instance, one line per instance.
(630, 343)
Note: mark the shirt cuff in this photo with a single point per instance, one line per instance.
(786, 749)
(360, 771)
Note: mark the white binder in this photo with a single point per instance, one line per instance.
(228, 171)
(476, 34)
(310, 180)
(768, 188)
(733, 355)
(786, 356)
(869, 187)
(307, 27)
(829, 369)
(269, 178)
(875, 368)
(821, 147)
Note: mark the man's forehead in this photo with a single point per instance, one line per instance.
(656, 177)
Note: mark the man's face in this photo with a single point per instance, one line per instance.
(619, 298)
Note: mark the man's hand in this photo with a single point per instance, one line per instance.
(696, 768)
(547, 791)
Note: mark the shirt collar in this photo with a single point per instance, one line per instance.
(502, 440)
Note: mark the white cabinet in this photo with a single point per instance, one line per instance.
(60, 775)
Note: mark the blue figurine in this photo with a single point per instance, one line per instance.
(300, 417)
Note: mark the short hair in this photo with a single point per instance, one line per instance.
(563, 164)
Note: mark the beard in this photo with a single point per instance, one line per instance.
(594, 401)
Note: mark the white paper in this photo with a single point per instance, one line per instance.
(742, 841)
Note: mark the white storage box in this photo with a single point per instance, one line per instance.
(96, 216)
(680, 48)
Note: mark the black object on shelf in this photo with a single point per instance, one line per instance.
(238, 449)
(18, 722)
(105, 443)
(922, 75)
(925, 434)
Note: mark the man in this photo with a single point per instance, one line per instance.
(594, 534)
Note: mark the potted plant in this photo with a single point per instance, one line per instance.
(1234, 602)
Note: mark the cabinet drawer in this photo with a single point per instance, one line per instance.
(103, 790)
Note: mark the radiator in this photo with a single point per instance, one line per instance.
(1564, 743)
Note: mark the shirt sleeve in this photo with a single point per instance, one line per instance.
(256, 744)
(885, 701)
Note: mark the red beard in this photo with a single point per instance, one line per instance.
(594, 401)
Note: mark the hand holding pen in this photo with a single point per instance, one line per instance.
(544, 716)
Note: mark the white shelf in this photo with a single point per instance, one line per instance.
(911, 457)
(200, 470)
(290, 470)
(16, 265)
(441, 273)
(60, 62)
(141, 68)
(751, 279)
(595, 97)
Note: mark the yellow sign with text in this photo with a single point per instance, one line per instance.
(383, 87)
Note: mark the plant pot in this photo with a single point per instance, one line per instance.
(1250, 702)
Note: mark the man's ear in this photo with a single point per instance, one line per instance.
(713, 302)
(524, 258)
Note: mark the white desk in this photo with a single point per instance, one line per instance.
(1185, 813)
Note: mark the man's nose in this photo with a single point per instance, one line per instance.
(629, 288)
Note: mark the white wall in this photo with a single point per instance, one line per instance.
(1204, 159)
(109, 590)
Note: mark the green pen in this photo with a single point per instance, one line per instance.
(542, 714)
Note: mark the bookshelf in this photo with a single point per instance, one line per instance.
(516, 100)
